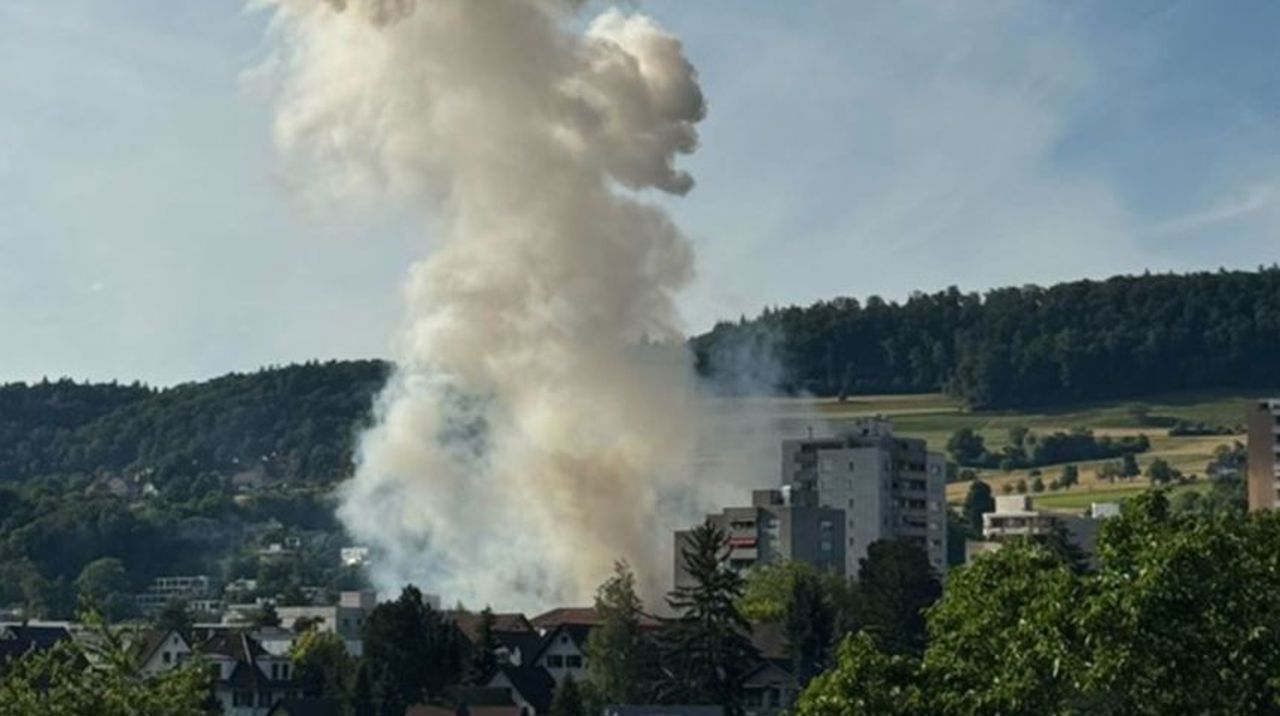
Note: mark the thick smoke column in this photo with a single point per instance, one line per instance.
(541, 411)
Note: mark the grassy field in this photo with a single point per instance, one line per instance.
(935, 417)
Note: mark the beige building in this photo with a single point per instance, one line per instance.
(1263, 421)
(1014, 517)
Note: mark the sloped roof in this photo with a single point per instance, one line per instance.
(469, 622)
(769, 670)
(150, 640)
(533, 683)
(565, 615)
(586, 616)
(770, 640)
(578, 633)
(234, 644)
(41, 637)
(528, 642)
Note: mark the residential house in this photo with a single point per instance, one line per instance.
(247, 680)
(160, 650)
(530, 687)
(768, 688)
(563, 652)
(19, 639)
(517, 640)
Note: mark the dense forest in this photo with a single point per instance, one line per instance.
(1014, 347)
(296, 423)
(190, 479)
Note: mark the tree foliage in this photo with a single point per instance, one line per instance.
(621, 654)
(411, 652)
(896, 586)
(1178, 617)
(706, 648)
(865, 682)
(98, 676)
(1012, 347)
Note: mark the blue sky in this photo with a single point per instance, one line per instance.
(852, 148)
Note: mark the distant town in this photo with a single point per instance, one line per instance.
(854, 539)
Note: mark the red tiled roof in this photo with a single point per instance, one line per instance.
(469, 622)
(565, 615)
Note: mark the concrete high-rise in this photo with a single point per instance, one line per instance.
(887, 487)
(779, 525)
(1263, 421)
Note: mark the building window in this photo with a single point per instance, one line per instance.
(573, 661)
(264, 699)
(168, 657)
(555, 661)
(825, 545)
(850, 541)
(242, 698)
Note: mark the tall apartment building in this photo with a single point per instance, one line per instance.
(779, 525)
(887, 487)
(1263, 421)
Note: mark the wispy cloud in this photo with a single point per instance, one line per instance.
(1250, 202)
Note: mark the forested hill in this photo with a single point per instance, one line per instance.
(296, 423)
(1016, 347)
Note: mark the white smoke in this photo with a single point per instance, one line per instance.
(539, 423)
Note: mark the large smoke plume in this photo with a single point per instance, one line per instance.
(540, 420)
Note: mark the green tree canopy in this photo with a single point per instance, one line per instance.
(98, 676)
(977, 502)
(621, 655)
(896, 585)
(865, 682)
(706, 649)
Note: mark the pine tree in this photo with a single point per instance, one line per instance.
(810, 627)
(707, 649)
(977, 502)
(483, 660)
(620, 656)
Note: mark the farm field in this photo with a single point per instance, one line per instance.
(934, 417)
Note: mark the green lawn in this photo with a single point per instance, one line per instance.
(934, 417)
(1078, 500)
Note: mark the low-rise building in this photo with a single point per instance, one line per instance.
(1014, 517)
(781, 524)
(196, 591)
(160, 650)
(344, 618)
(563, 653)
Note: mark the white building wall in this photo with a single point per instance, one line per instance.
(559, 656)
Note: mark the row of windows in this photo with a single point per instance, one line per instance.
(558, 661)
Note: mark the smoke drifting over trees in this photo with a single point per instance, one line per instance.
(541, 410)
